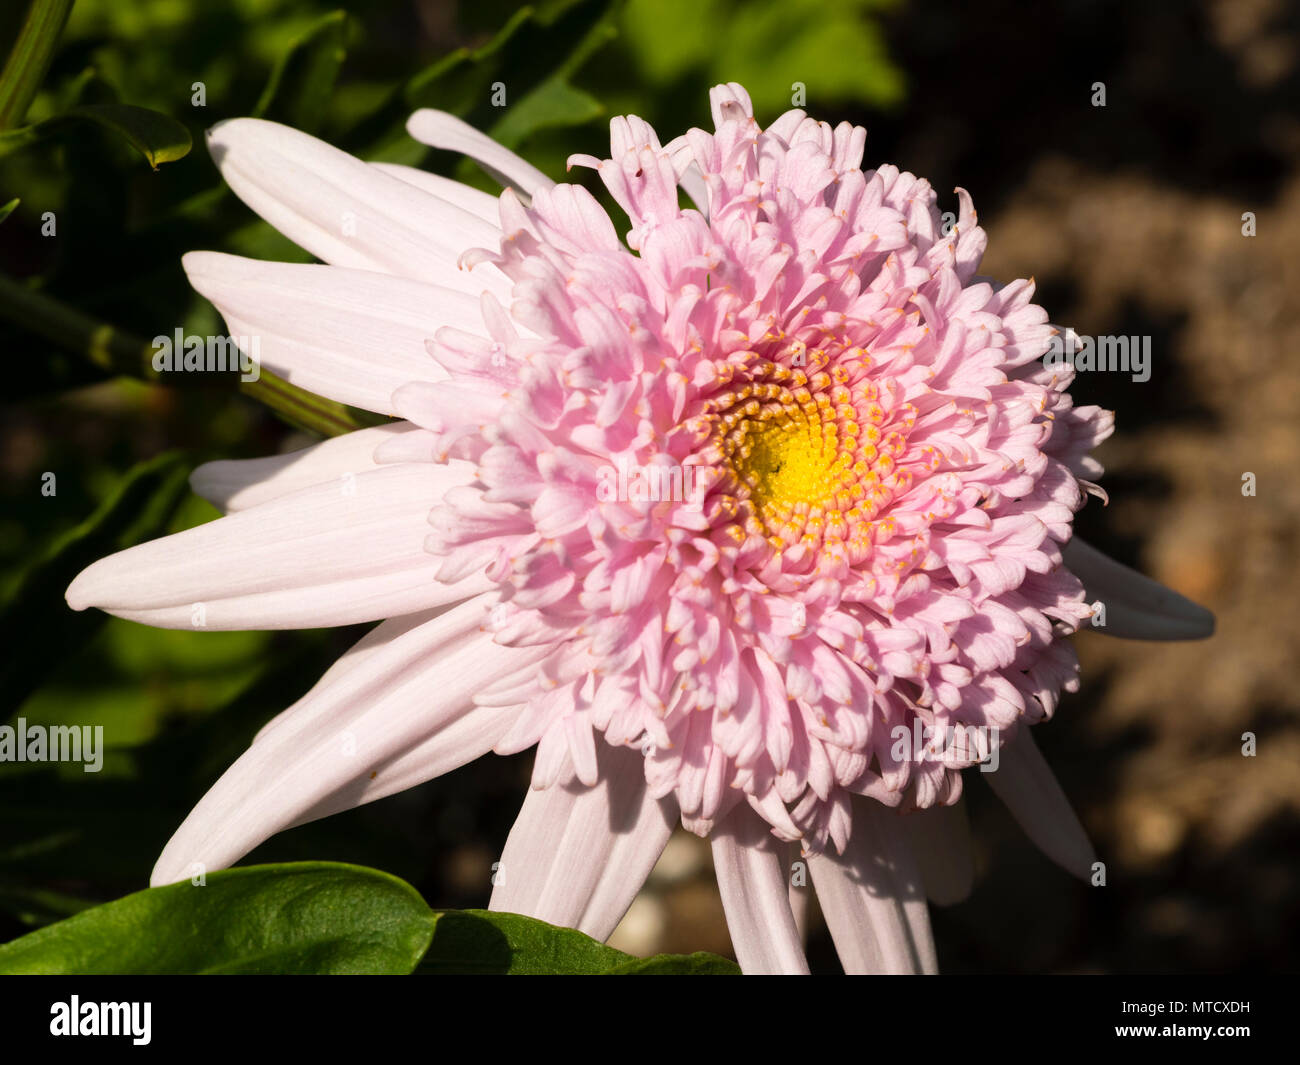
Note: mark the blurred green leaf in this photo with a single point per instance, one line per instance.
(30, 57)
(836, 51)
(553, 103)
(38, 906)
(8, 208)
(303, 79)
(301, 918)
(35, 622)
(157, 137)
(533, 56)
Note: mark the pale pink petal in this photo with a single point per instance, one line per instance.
(361, 720)
(1026, 784)
(475, 201)
(330, 554)
(350, 335)
(459, 742)
(346, 212)
(237, 484)
(577, 855)
(753, 879)
(441, 130)
(873, 899)
(800, 895)
(1137, 607)
(940, 840)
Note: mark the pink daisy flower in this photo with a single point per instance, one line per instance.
(718, 524)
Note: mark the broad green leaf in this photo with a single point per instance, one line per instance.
(303, 79)
(157, 137)
(35, 619)
(25, 68)
(480, 941)
(701, 963)
(300, 918)
(467, 942)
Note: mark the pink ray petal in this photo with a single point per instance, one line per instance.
(1026, 784)
(351, 335)
(238, 484)
(753, 879)
(940, 841)
(1137, 607)
(329, 554)
(346, 212)
(577, 855)
(367, 717)
(441, 130)
(478, 203)
(873, 899)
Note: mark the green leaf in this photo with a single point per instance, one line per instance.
(300, 918)
(25, 68)
(303, 79)
(157, 137)
(36, 618)
(8, 208)
(467, 942)
(701, 963)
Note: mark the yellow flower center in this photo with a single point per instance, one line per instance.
(806, 450)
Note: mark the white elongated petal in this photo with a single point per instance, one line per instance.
(364, 718)
(461, 741)
(753, 880)
(329, 554)
(475, 201)
(940, 840)
(351, 335)
(348, 213)
(800, 897)
(1027, 786)
(577, 855)
(873, 899)
(441, 130)
(237, 484)
(1137, 607)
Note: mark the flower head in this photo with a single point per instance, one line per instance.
(715, 523)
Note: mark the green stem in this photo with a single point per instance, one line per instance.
(108, 347)
(30, 59)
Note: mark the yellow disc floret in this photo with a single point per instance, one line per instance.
(807, 453)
